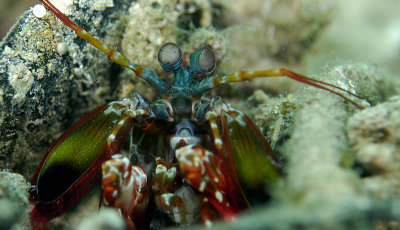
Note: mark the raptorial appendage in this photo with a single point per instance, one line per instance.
(125, 187)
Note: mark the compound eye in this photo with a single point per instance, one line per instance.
(170, 57)
(203, 61)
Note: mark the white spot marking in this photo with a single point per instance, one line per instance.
(161, 169)
(171, 173)
(202, 186)
(218, 195)
(111, 138)
(39, 11)
(208, 224)
(223, 80)
(237, 75)
(167, 197)
(218, 142)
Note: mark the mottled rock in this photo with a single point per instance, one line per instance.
(375, 136)
(13, 200)
(43, 84)
(105, 219)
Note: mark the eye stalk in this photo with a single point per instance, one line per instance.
(203, 61)
(170, 57)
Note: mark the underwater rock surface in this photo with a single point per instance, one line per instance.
(13, 200)
(375, 134)
(47, 76)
